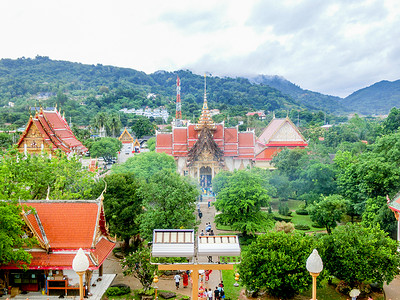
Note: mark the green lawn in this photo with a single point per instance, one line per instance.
(231, 292)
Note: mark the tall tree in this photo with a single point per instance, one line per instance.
(100, 121)
(12, 235)
(275, 263)
(138, 264)
(146, 164)
(142, 126)
(29, 177)
(357, 254)
(105, 147)
(240, 203)
(123, 205)
(169, 201)
(329, 211)
(113, 124)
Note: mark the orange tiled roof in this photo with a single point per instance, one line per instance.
(65, 224)
(54, 131)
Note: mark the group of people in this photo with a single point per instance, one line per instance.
(208, 294)
(209, 230)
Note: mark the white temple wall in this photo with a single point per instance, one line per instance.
(181, 164)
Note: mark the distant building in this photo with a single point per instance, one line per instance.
(11, 104)
(160, 112)
(214, 112)
(48, 131)
(261, 115)
(279, 134)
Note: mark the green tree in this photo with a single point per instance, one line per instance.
(169, 202)
(276, 263)
(100, 121)
(123, 205)
(357, 254)
(105, 147)
(30, 177)
(377, 213)
(113, 124)
(5, 140)
(289, 162)
(240, 203)
(146, 164)
(138, 264)
(392, 122)
(329, 211)
(142, 126)
(151, 144)
(220, 181)
(12, 236)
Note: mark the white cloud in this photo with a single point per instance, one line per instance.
(332, 47)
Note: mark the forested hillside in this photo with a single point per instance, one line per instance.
(84, 90)
(311, 100)
(378, 98)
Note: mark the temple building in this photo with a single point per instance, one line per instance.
(202, 150)
(48, 131)
(60, 228)
(279, 134)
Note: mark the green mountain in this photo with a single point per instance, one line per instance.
(311, 100)
(376, 99)
(83, 90)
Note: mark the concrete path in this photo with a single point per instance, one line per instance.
(392, 291)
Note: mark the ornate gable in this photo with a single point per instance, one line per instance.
(126, 137)
(205, 148)
(287, 133)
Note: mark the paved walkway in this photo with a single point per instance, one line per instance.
(112, 264)
(392, 291)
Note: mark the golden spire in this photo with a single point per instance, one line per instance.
(205, 117)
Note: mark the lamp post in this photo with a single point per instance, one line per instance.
(236, 284)
(314, 266)
(155, 280)
(80, 264)
(354, 293)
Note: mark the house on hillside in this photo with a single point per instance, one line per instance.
(60, 227)
(279, 134)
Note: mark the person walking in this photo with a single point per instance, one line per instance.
(216, 293)
(177, 278)
(210, 294)
(185, 280)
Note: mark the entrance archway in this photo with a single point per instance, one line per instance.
(205, 177)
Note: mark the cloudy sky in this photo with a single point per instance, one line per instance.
(333, 47)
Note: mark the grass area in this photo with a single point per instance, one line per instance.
(292, 203)
(231, 292)
(304, 219)
(134, 295)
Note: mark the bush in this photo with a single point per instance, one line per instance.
(283, 218)
(316, 225)
(285, 227)
(283, 209)
(302, 211)
(118, 291)
(302, 227)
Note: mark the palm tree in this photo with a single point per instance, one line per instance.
(100, 121)
(114, 124)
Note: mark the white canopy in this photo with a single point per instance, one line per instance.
(173, 243)
(220, 245)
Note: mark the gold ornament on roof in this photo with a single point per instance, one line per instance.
(205, 117)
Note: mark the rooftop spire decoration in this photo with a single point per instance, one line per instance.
(205, 117)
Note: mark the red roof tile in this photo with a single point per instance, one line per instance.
(66, 225)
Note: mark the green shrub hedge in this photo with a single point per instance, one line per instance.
(283, 218)
(302, 211)
(302, 227)
(118, 291)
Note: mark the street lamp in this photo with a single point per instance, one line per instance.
(236, 284)
(314, 266)
(80, 264)
(155, 280)
(354, 293)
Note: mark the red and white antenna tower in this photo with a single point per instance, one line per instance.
(178, 115)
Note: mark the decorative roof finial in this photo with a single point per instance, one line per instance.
(205, 117)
